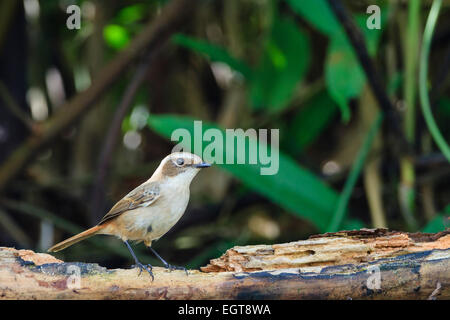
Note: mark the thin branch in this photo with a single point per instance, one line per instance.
(14, 107)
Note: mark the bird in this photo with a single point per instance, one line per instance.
(150, 210)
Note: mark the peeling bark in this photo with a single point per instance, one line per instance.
(344, 265)
(330, 249)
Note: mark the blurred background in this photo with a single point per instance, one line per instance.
(84, 119)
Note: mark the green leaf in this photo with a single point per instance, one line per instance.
(344, 76)
(310, 121)
(371, 36)
(213, 52)
(439, 223)
(116, 36)
(293, 187)
(283, 64)
(318, 13)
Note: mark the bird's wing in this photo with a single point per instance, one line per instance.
(142, 196)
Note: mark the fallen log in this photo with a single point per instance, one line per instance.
(361, 264)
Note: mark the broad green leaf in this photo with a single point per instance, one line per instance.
(310, 121)
(116, 36)
(318, 13)
(440, 223)
(283, 64)
(213, 52)
(293, 187)
(344, 75)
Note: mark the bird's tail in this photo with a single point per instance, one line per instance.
(76, 238)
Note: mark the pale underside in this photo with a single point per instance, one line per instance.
(147, 212)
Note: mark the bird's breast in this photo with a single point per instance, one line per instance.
(152, 222)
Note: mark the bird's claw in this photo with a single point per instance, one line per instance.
(172, 267)
(147, 268)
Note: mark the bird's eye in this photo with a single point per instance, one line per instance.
(180, 161)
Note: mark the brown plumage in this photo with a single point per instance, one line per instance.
(151, 209)
(76, 238)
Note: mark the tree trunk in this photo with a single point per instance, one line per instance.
(364, 264)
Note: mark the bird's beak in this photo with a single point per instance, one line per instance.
(202, 165)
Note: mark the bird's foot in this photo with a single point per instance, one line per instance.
(147, 268)
(172, 267)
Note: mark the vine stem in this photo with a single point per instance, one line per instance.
(423, 71)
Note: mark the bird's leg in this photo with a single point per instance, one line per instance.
(168, 266)
(139, 264)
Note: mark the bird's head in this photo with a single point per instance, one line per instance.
(182, 166)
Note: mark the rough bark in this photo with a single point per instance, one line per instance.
(330, 266)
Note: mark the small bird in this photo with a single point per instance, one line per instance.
(151, 209)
